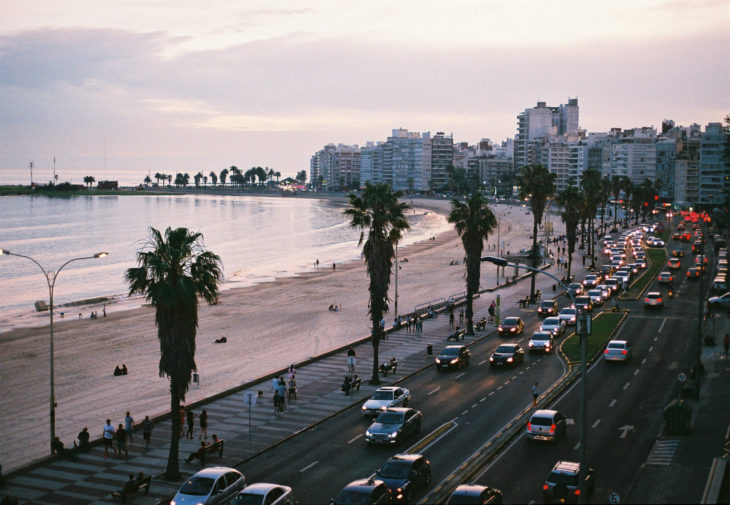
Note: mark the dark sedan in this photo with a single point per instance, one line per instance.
(405, 474)
(511, 326)
(453, 356)
(507, 355)
(393, 425)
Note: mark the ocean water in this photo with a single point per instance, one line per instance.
(257, 238)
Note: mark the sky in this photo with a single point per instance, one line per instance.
(117, 89)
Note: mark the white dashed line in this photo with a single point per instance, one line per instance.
(500, 387)
(656, 338)
(651, 348)
(643, 361)
(507, 382)
(636, 372)
(613, 402)
(513, 377)
(522, 372)
(434, 390)
(353, 439)
(482, 361)
(596, 423)
(626, 386)
(465, 413)
(462, 374)
(483, 399)
(308, 467)
(491, 393)
(661, 327)
(474, 405)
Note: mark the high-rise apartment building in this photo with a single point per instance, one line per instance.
(714, 175)
(336, 167)
(541, 124)
(442, 157)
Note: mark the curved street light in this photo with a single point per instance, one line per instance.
(51, 277)
(583, 358)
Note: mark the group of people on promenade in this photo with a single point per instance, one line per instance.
(284, 391)
(187, 418)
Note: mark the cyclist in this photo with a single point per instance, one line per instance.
(492, 310)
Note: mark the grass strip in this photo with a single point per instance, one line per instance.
(601, 328)
(657, 257)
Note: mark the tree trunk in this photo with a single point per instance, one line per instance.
(375, 378)
(534, 258)
(172, 472)
(469, 312)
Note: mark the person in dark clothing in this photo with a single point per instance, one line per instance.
(58, 448)
(190, 415)
(84, 445)
(199, 454)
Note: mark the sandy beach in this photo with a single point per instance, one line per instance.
(267, 327)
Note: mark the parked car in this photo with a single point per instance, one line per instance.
(547, 308)
(405, 474)
(394, 425)
(618, 350)
(541, 341)
(720, 302)
(214, 485)
(653, 300)
(554, 325)
(568, 315)
(453, 356)
(382, 398)
(507, 355)
(468, 494)
(562, 485)
(262, 493)
(511, 326)
(548, 425)
(363, 492)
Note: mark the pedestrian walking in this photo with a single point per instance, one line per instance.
(726, 343)
(203, 425)
(292, 371)
(461, 316)
(108, 436)
(535, 394)
(128, 426)
(121, 439)
(292, 392)
(147, 431)
(190, 416)
(451, 321)
(351, 359)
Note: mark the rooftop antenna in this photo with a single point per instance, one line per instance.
(54, 169)
(31, 174)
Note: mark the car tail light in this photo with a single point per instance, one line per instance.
(552, 428)
(659, 300)
(545, 487)
(576, 492)
(623, 352)
(646, 300)
(529, 426)
(606, 351)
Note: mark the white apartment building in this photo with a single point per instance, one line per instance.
(541, 124)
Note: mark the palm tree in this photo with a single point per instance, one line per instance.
(89, 180)
(473, 221)
(158, 176)
(147, 180)
(213, 178)
(197, 177)
(224, 176)
(571, 200)
(179, 179)
(627, 186)
(592, 184)
(171, 274)
(380, 212)
(616, 186)
(537, 183)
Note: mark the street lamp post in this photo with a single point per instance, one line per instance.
(583, 358)
(51, 277)
(499, 241)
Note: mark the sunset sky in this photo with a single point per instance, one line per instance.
(190, 86)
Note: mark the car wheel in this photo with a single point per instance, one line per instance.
(405, 402)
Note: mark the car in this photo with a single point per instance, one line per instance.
(693, 273)
(622, 275)
(210, 486)
(674, 264)
(604, 291)
(394, 425)
(548, 425)
(698, 246)
(382, 398)
(719, 284)
(720, 302)
(583, 303)
(554, 325)
(453, 356)
(613, 284)
(508, 354)
(665, 278)
(405, 474)
(678, 252)
(634, 268)
(541, 341)
(701, 258)
(562, 484)
(653, 300)
(618, 350)
(511, 326)
(468, 494)
(262, 493)
(369, 491)
(596, 296)
(575, 288)
(547, 308)
(591, 281)
(568, 315)
(656, 243)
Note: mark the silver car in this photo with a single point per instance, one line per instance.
(547, 425)
(264, 494)
(618, 350)
(568, 315)
(541, 341)
(385, 397)
(210, 486)
(554, 325)
(596, 296)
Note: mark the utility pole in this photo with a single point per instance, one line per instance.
(31, 174)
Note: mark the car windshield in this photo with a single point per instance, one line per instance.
(248, 499)
(594, 292)
(383, 395)
(541, 336)
(395, 470)
(390, 418)
(505, 348)
(541, 420)
(510, 321)
(353, 497)
(546, 305)
(561, 478)
(450, 351)
(198, 486)
(551, 321)
(615, 345)
(568, 312)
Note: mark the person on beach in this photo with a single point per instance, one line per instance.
(147, 431)
(190, 416)
(108, 436)
(84, 445)
(316, 264)
(121, 439)
(124, 369)
(203, 425)
(103, 310)
(129, 426)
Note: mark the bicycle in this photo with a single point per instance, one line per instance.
(279, 405)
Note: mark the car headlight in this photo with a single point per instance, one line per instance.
(438, 360)
(383, 407)
(500, 328)
(392, 435)
(491, 358)
(368, 433)
(364, 407)
(531, 344)
(513, 329)
(454, 361)
(510, 359)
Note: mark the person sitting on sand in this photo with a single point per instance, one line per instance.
(221, 340)
(117, 371)
(124, 369)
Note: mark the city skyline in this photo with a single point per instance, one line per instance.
(164, 87)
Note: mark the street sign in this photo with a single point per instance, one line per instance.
(614, 498)
(682, 377)
(249, 398)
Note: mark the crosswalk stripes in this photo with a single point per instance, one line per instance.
(662, 452)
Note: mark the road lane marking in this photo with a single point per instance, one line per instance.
(636, 372)
(596, 423)
(626, 386)
(465, 413)
(643, 361)
(513, 377)
(507, 382)
(651, 348)
(491, 393)
(576, 446)
(613, 402)
(474, 405)
(308, 467)
(353, 439)
(434, 390)
(500, 387)
(480, 401)
(432, 437)
(522, 372)
(462, 374)
(661, 327)
(656, 338)
(482, 362)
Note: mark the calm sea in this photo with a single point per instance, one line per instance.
(257, 238)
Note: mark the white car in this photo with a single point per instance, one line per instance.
(596, 296)
(618, 350)
(568, 315)
(605, 291)
(215, 485)
(553, 325)
(385, 397)
(262, 493)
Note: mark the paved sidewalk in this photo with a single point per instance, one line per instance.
(91, 479)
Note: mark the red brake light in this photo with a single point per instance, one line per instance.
(659, 300)
(646, 299)
(545, 487)
(529, 426)
(552, 428)
(577, 492)
(606, 351)
(623, 352)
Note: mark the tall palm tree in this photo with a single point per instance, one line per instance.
(537, 183)
(213, 178)
(158, 176)
(627, 186)
(592, 185)
(473, 221)
(89, 180)
(171, 274)
(147, 180)
(571, 199)
(380, 212)
(224, 176)
(616, 186)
